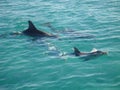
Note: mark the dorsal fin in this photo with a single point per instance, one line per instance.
(48, 24)
(76, 51)
(31, 26)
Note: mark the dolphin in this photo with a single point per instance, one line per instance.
(30, 31)
(34, 32)
(88, 55)
(69, 32)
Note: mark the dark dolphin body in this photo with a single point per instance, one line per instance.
(34, 32)
(31, 31)
(88, 55)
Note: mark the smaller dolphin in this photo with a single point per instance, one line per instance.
(88, 55)
(34, 32)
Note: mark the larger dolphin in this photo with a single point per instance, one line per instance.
(30, 31)
(34, 32)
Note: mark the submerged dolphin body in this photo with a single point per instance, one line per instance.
(88, 55)
(34, 32)
(69, 32)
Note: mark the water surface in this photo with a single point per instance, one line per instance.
(38, 65)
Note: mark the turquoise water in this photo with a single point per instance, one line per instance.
(38, 65)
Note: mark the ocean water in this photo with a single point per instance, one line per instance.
(46, 63)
